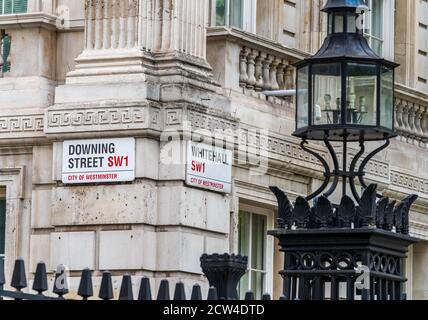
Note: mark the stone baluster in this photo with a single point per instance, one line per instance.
(398, 115)
(273, 73)
(259, 71)
(405, 119)
(266, 72)
(289, 78)
(411, 122)
(424, 124)
(417, 120)
(243, 75)
(280, 75)
(251, 70)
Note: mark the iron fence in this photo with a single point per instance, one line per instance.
(85, 291)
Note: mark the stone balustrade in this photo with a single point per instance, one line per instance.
(411, 116)
(260, 70)
(254, 64)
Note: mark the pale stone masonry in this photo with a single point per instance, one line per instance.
(158, 71)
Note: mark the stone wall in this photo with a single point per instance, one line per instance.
(158, 80)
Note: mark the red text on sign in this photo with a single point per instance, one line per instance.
(118, 161)
(198, 166)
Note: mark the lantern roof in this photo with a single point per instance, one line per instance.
(348, 46)
(336, 5)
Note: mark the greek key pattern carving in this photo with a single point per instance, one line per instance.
(114, 118)
(210, 122)
(19, 124)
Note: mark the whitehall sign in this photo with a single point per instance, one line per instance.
(96, 161)
(209, 167)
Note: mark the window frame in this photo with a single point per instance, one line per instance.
(249, 8)
(268, 249)
(388, 19)
(13, 7)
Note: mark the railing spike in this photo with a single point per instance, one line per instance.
(85, 287)
(126, 288)
(40, 283)
(179, 294)
(196, 293)
(60, 287)
(19, 279)
(212, 294)
(163, 294)
(266, 297)
(249, 296)
(106, 288)
(145, 293)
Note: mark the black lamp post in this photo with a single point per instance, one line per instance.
(345, 93)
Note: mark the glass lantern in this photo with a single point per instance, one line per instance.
(345, 89)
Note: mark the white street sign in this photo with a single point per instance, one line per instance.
(100, 160)
(209, 167)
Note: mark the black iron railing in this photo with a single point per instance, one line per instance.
(226, 265)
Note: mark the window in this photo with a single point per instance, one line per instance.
(2, 230)
(234, 13)
(13, 6)
(253, 242)
(252, 235)
(379, 27)
(4, 52)
(373, 26)
(229, 13)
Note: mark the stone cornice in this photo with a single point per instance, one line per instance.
(243, 37)
(39, 19)
(28, 20)
(418, 97)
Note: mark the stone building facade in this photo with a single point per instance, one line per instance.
(166, 72)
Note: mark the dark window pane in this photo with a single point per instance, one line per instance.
(5, 53)
(220, 12)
